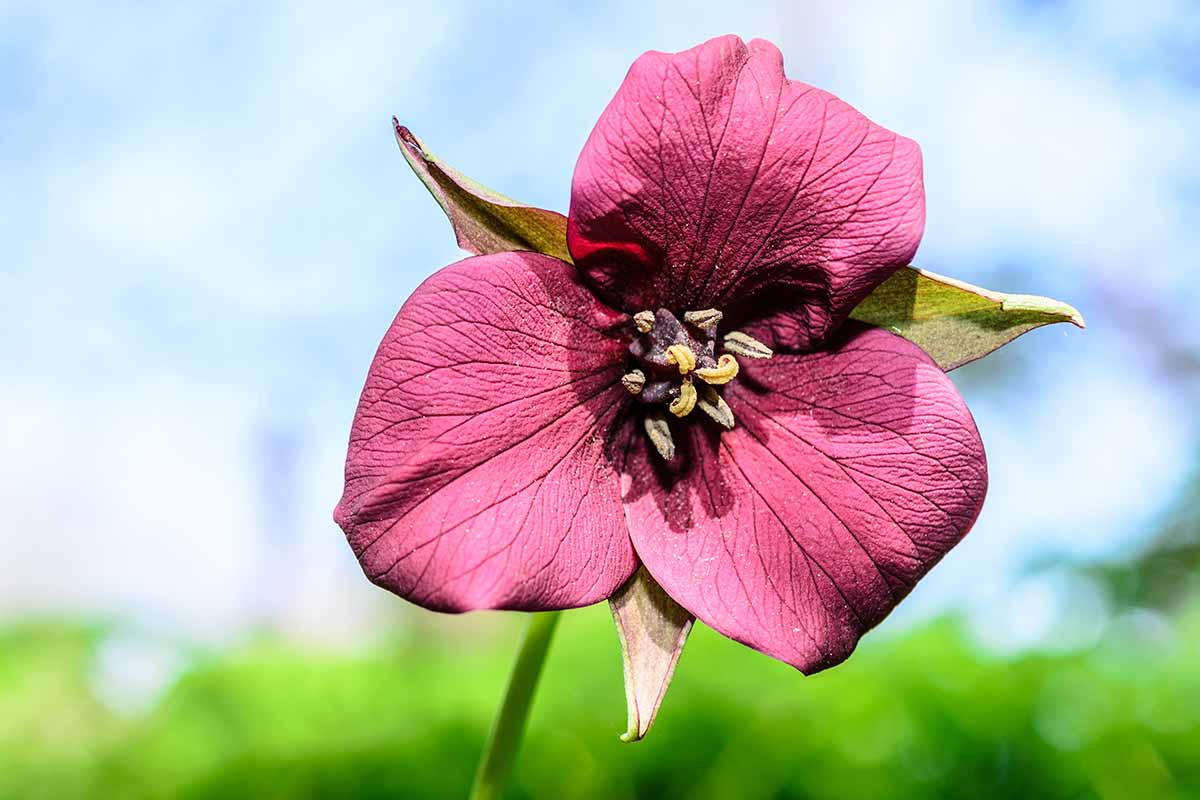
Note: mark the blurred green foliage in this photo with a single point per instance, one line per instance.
(920, 714)
(1164, 571)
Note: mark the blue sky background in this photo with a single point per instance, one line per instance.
(205, 228)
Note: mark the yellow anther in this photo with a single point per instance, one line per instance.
(715, 406)
(682, 406)
(725, 371)
(742, 344)
(683, 356)
(705, 320)
(660, 434)
(644, 321)
(634, 381)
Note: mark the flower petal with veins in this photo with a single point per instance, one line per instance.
(711, 178)
(851, 472)
(476, 474)
(696, 398)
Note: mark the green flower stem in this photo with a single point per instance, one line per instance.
(505, 737)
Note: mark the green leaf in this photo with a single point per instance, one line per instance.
(484, 221)
(955, 322)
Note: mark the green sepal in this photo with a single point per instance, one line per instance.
(652, 629)
(955, 322)
(484, 221)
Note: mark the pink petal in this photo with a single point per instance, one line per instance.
(850, 474)
(476, 475)
(711, 177)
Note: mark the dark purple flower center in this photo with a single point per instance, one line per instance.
(675, 364)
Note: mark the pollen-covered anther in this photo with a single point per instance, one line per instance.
(745, 345)
(682, 356)
(725, 371)
(634, 381)
(682, 406)
(644, 321)
(706, 319)
(712, 404)
(659, 434)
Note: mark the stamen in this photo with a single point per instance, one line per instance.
(682, 406)
(705, 320)
(660, 434)
(711, 403)
(725, 371)
(634, 381)
(682, 355)
(686, 341)
(743, 345)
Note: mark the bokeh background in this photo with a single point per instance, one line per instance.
(205, 228)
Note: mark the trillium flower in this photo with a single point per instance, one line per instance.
(678, 412)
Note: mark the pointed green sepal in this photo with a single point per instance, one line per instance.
(955, 322)
(653, 629)
(484, 221)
